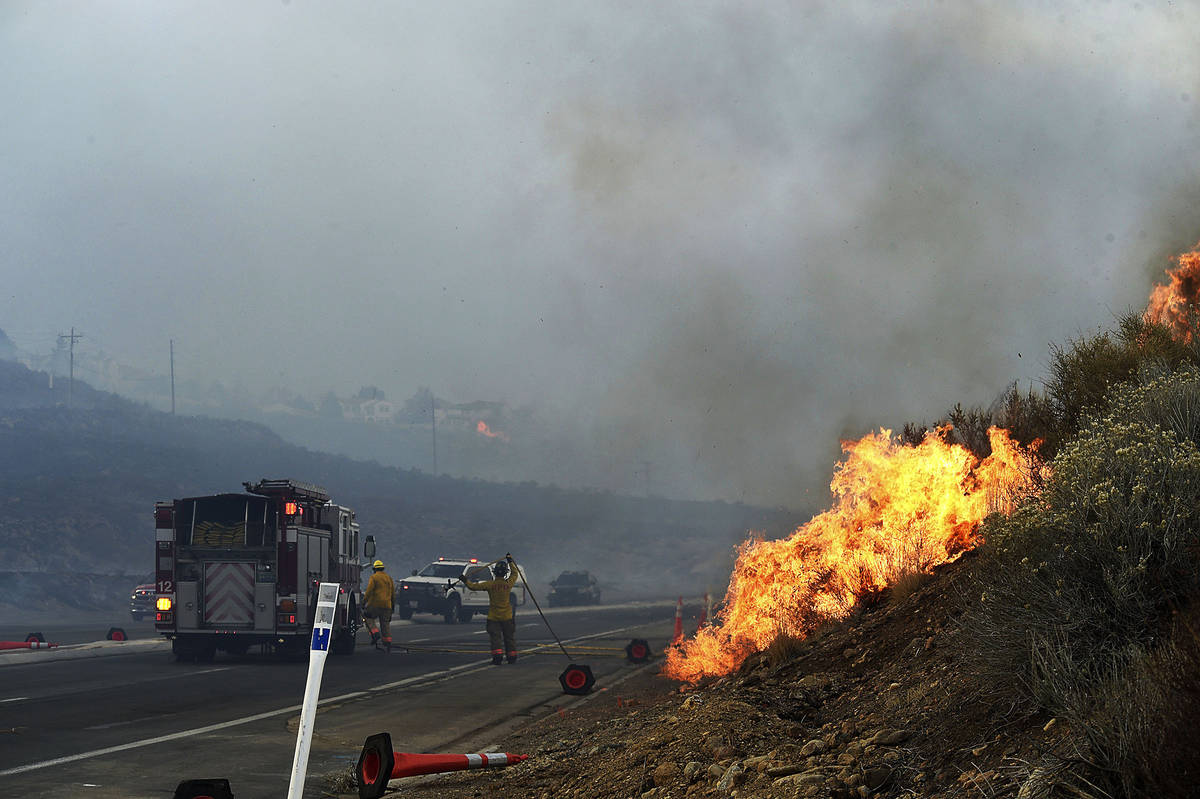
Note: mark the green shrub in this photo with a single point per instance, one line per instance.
(1083, 372)
(1083, 578)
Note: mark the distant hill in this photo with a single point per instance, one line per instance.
(78, 486)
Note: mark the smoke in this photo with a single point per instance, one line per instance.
(709, 237)
(841, 221)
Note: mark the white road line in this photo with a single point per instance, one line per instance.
(116, 685)
(175, 736)
(131, 721)
(437, 676)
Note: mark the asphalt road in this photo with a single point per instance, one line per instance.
(125, 720)
(78, 632)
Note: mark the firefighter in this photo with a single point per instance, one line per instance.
(501, 626)
(378, 602)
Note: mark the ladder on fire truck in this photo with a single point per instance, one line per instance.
(288, 488)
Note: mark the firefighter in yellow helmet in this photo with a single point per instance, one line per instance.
(378, 603)
(501, 626)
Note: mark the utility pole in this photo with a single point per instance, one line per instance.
(71, 382)
(172, 377)
(433, 417)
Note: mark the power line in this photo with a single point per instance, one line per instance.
(71, 383)
(433, 419)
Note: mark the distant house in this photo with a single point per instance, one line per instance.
(377, 411)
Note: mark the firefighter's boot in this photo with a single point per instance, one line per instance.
(512, 657)
(374, 639)
(497, 659)
(387, 645)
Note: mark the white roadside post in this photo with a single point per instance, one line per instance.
(327, 596)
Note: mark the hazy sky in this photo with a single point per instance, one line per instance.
(738, 230)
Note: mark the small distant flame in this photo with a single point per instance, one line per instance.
(897, 509)
(482, 427)
(1175, 303)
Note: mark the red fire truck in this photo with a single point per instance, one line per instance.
(236, 570)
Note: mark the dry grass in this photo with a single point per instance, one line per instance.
(784, 649)
(1143, 727)
(907, 583)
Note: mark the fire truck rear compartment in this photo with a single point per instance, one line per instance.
(244, 568)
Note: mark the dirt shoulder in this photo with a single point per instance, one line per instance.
(881, 705)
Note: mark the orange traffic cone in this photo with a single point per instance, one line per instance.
(678, 636)
(378, 763)
(26, 645)
(703, 613)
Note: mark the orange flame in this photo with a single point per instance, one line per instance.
(897, 509)
(482, 427)
(1174, 303)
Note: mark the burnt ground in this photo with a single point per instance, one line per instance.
(883, 704)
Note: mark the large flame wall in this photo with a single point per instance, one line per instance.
(897, 509)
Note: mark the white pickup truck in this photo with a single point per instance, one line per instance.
(435, 589)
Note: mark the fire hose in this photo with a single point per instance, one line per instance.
(525, 583)
(509, 558)
(577, 678)
(602, 651)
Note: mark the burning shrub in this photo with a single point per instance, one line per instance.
(897, 509)
(1084, 577)
(1027, 418)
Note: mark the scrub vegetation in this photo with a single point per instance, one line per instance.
(1084, 599)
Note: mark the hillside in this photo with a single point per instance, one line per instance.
(882, 704)
(1055, 653)
(78, 485)
(888, 703)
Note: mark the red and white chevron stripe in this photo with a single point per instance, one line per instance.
(228, 593)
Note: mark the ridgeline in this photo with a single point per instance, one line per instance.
(78, 486)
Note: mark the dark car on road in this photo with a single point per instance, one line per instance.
(141, 602)
(574, 588)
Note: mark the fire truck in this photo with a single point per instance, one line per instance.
(238, 570)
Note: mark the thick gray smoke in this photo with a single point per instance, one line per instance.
(709, 236)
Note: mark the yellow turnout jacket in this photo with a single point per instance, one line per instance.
(381, 591)
(499, 608)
